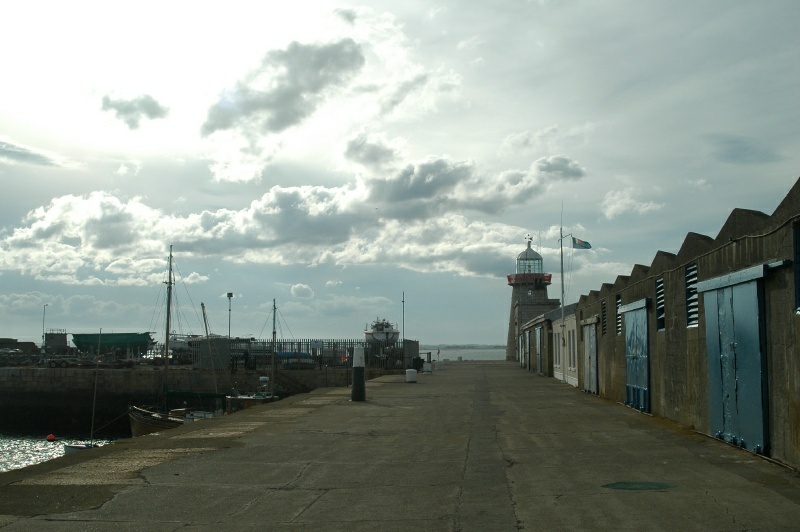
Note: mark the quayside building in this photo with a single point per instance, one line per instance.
(706, 337)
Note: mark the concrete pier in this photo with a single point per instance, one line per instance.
(482, 446)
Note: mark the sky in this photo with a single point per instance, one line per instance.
(352, 161)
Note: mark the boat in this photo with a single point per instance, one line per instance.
(381, 332)
(70, 448)
(147, 420)
(242, 401)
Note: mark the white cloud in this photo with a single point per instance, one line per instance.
(302, 291)
(620, 202)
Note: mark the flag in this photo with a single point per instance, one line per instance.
(577, 243)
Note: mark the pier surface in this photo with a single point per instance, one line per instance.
(480, 446)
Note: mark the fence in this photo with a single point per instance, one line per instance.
(250, 353)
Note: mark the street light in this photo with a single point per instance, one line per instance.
(230, 351)
(230, 296)
(44, 338)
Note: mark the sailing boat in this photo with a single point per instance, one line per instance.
(241, 401)
(72, 448)
(145, 420)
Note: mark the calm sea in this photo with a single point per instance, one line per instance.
(466, 353)
(20, 451)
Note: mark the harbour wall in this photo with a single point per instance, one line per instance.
(60, 400)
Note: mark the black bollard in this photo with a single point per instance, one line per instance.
(358, 392)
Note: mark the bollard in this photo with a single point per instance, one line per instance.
(358, 392)
(411, 375)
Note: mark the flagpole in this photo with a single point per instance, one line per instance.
(563, 343)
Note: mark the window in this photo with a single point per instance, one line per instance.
(573, 359)
(619, 316)
(692, 310)
(557, 350)
(660, 313)
(603, 316)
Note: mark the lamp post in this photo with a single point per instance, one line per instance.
(230, 296)
(44, 338)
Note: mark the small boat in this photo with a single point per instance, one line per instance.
(240, 401)
(70, 448)
(381, 332)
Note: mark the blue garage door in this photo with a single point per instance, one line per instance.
(737, 383)
(637, 355)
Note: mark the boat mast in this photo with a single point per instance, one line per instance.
(94, 395)
(208, 343)
(166, 336)
(272, 371)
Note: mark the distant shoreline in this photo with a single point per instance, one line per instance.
(467, 346)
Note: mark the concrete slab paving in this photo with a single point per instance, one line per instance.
(478, 446)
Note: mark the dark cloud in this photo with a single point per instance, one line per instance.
(372, 154)
(560, 167)
(426, 180)
(112, 230)
(133, 111)
(296, 79)
(20, 154)
(741, 150)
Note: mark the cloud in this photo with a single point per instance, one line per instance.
(542, 139)
(133, 111)
(419, 92)
(16, 153)
(470, 44)
(560, 167)
(348, 15)
(288, 87)
(619, 202)
(547, 139)
(100, 238)
(700, 184)
(302, 291)
(129, 168)
(371, 151)
(440, 185)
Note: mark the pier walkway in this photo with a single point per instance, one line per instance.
(476, 446)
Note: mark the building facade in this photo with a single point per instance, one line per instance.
(707, 337)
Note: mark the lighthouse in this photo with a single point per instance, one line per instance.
(528, 296)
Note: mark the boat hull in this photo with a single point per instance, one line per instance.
(74, 448)
(382, 332)
(243, 402)
(144, 421)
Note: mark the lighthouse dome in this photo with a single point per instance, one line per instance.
(529, 261)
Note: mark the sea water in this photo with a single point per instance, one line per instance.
(18, 451)
(466, 353)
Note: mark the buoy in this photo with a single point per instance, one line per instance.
(51, 437)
